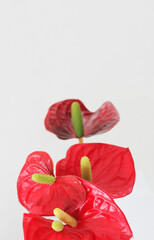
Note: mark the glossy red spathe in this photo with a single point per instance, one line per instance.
(99, 218)
(39, 228)
(112, 166)
(100, 214)
(59, 121)
(67, 192)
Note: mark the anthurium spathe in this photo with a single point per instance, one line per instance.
(110, 167)
(70, 119)
(39, 191)
(39, 228)
(98, 218)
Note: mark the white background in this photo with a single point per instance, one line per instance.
(91, 50)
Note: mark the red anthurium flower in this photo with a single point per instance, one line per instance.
(112, 167)
(39, 228)
(99, 218)
(65, 192)
(70, 118)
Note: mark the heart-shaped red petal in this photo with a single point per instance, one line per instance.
(59, 120)
(66, 193)
(102, 216)
(39, 228)
(112, 166)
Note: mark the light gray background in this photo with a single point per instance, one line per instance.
(91, 50)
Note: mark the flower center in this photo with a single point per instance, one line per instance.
(64, 217)
(43, 178)
(86, 172)
(77, 120)
(57, 226)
